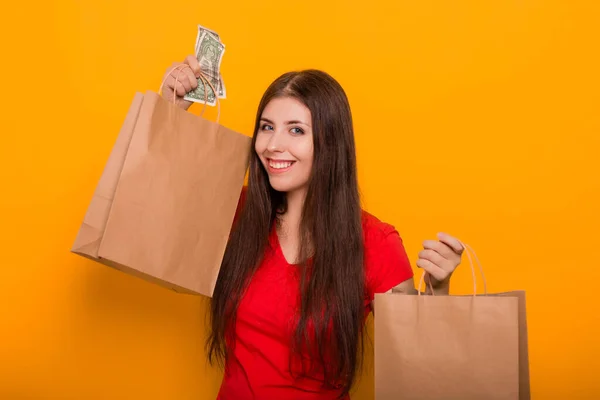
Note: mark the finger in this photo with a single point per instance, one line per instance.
(191, 78)
(170, 82)
(436, 259)
(453, 242)
(181, 77)
(176, 66)
(192, 61)
(435, 271)
(440, 248)
(177, 87)
(180, 89)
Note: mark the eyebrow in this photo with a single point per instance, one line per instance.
(287, 122)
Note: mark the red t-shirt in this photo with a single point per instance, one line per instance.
(258, 368)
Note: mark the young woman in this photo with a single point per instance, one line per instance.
(304, 261)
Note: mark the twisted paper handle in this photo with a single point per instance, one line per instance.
(468, 250)
(205, 81)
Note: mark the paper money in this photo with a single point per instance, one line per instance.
(209, 52)
(222, 90)
(201, 30)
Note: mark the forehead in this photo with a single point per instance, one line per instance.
(282, 109)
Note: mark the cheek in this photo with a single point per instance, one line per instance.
(260, 145)
(305, 155)
(304, 151)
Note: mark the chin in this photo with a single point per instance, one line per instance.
(282, 186)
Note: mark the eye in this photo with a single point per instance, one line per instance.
(297, 131)
(266, 127)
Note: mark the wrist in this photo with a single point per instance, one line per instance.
(438, 287)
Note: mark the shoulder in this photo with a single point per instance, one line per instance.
(386, 261)
(377, 233)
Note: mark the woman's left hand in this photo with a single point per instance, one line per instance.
(439, 258)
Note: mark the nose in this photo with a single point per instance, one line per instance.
(275, 144)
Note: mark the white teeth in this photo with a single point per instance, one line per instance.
(279, 164)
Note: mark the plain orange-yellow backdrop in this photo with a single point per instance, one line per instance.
(480, 118)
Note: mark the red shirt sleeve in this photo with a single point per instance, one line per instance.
(386, 261)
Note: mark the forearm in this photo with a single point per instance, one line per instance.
(440, 289)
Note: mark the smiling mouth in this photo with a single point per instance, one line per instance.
(279, 165)
(275, 164)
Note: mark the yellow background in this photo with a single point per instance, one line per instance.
(480, 118)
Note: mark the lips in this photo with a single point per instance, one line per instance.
(279, 166)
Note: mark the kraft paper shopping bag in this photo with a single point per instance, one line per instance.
(165, 204)
(451, 347)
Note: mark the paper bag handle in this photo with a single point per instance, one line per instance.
(204, 79)
(468, 250)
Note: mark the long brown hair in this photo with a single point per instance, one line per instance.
(331, 241)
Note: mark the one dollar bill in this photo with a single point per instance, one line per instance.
(209, 52)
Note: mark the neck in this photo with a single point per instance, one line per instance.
(293, 214)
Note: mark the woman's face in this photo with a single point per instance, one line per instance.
(284, 144)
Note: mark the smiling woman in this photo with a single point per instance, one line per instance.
(304, 261)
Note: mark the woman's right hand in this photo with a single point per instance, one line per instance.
(187, 80)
